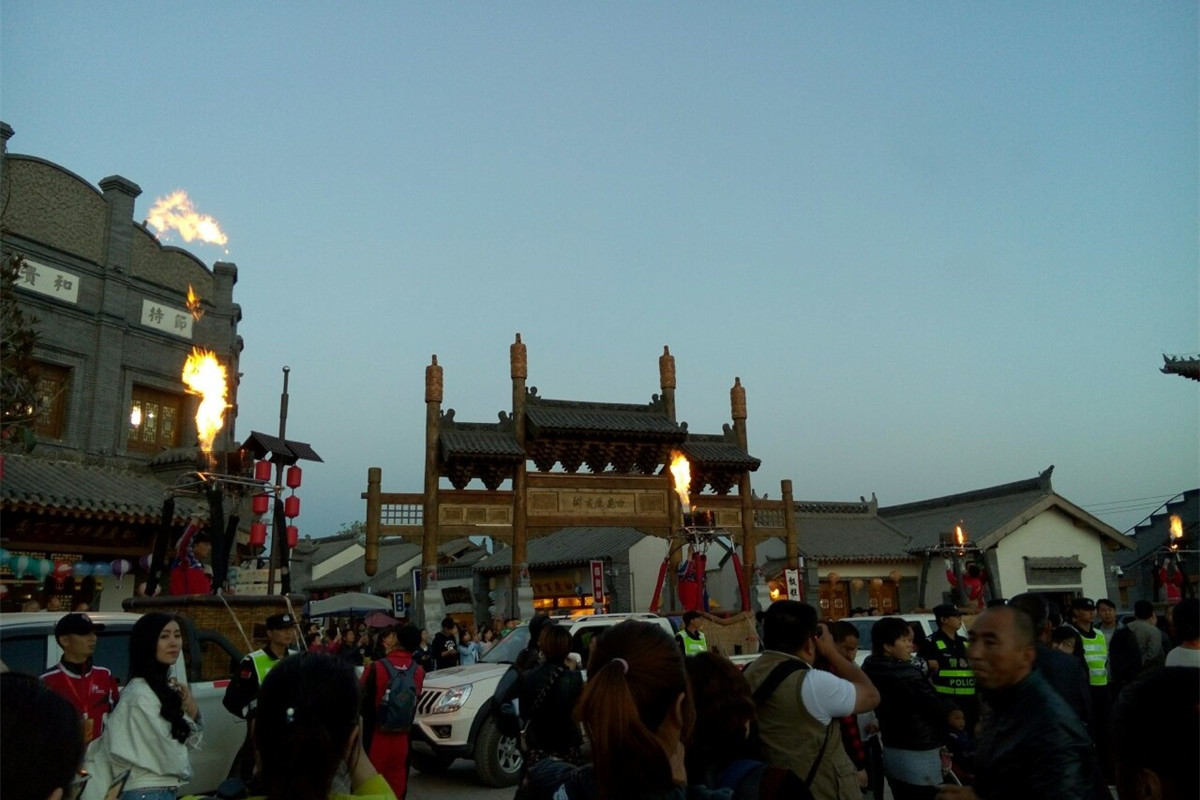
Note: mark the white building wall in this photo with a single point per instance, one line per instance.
(645, 560)
(1050, 534)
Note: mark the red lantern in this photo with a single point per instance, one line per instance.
(291, 507)
(262, 470)
(62, 571)
(294, 474)
(258, 534)
(293, 535)
(259, 503)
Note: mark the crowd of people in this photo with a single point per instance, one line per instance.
(1026, 706)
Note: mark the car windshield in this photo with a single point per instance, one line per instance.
(506, 650)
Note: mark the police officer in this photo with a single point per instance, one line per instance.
(1094, 652)
(691, 638)
(949, 670)
(241, 696)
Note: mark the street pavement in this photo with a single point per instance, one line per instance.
(458, 781)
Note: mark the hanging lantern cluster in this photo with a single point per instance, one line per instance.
(260, 503)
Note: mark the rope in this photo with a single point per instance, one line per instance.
(238, 622)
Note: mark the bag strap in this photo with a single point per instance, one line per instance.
(776, 677)
(812, 772)
(555, 672)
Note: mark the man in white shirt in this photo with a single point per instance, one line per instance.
(799, 707)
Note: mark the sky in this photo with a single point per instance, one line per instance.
(943, 245)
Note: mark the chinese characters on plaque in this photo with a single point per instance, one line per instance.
(163, 317)
(49, 281)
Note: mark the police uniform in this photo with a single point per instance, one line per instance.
(241, 696)
(953, 680)
(692, 644)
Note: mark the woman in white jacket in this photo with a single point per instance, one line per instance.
(156, 721)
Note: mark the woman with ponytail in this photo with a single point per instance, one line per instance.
(156, 721)
(638, 713)
(307, 726)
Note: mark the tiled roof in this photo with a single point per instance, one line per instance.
(980, 512)
(564, 416)
(567, 547)
(716, 452)
(1186, 366)
(1054, 562)
(847, 532)
(492, 443)
(262, 443)
(69, 487)
(391, 555)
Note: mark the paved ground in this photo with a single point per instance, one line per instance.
(459, 781)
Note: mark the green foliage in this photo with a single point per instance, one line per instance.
(19, 402)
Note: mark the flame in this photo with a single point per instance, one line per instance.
(193, 304)
(1176, 526)
(959, 536)
(681, 471)
(175, 211)
(205, 376)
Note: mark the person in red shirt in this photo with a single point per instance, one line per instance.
(389, 751)
(187, 570)
(91, 690)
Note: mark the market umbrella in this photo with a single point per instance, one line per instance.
(349, 604)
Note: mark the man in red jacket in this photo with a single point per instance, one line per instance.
(388, 750)
(90, 689)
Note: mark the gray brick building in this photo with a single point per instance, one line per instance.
(114, 327)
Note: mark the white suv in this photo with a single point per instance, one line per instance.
(455, 718)
(27, 644)
(927, 623)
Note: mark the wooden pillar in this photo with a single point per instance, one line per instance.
(374, 508)
(737, 402)
(791, 537)
(666, 381)
(519, 369)
(433, 423)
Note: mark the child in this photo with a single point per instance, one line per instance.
(962, 746)
(1065, 639)
(469, 650)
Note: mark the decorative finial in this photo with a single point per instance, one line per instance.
(518, 360)
(433, 382)
(737, 399)
(666, 369)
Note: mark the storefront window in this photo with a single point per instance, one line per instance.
(153, 420)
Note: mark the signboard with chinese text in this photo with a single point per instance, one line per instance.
(49, 281)
(598, 581)
(792, 579)
(176, 321)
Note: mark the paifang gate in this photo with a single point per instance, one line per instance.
(572, 463)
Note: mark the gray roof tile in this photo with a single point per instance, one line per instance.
(568, 546)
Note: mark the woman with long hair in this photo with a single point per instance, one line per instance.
(156, 721)
(306, 726)
(548, 695)
(637, 712)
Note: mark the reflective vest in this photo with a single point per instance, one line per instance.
(1095, 653)
(693, 646)
(263, 662)
(954, 675)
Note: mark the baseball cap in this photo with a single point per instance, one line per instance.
(1083, 604)
(945, 610)
(277, 622)
(76, 623)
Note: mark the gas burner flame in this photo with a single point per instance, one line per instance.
(960, 537)
(193, 304)
(176, 212)
(205, 376)
(681, 471)
(1176, 526)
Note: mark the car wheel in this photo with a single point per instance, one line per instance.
(431, 764)
(497, 757)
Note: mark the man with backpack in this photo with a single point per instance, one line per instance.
(391, 687)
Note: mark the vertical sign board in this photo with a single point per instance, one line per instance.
(598, 581)
(399, 610)
(792, 577)
(416, 575)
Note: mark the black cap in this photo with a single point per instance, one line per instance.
(1083, 604)
(945, 610)
(277, 622)
(76, 623)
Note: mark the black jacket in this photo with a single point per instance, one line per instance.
(1031, 745)
(1068, 676)
(548, 696)
(910, 713)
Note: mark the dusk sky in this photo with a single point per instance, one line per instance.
(943, 245)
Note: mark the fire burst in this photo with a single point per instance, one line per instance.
(176, 212)
(681, 471)
(205, 376)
